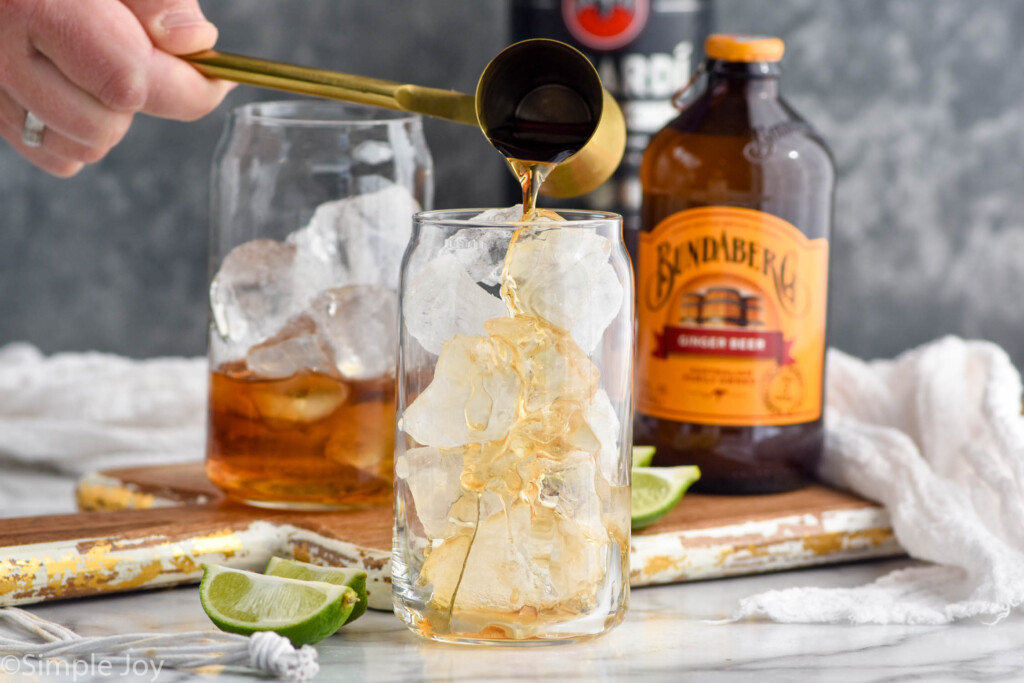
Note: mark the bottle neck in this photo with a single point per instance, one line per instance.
(751, 80)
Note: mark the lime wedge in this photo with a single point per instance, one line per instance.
(642, 456)
(656, 490)
(339, 576)
(245, 602)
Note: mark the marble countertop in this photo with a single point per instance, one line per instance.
(665, 637)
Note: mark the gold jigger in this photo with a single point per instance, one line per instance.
(519, 69)
(553, 83)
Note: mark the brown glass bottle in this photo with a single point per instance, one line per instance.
(732, 262)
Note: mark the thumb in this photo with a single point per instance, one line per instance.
(177, 27)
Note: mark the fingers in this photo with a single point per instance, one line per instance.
(38, 85)
(175, 26)
(98, 45)
(101, 47)
(51, 163)
(84, 67)
(56, 155)
(55, 144)
(178, 91)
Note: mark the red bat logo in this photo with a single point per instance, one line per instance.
(605, 24)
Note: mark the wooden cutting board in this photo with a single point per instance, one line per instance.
(153, 526)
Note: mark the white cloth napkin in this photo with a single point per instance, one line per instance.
(75, 412)
(936, 436)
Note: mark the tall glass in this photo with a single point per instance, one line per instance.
(312, 210)
(512, 451)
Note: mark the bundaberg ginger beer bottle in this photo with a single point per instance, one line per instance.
(732, 278)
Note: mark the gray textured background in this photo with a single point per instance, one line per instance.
(922, 102)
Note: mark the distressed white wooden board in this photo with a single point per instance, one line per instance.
(162, 523)
(87, 566)
(762, 545)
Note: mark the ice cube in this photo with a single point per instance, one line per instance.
(525, 557)
(480, 252)
(567, 486)
(358, 239)
(432, 477)
(514, 214)
(319, 255)
(511, 214)
(472, 398)
(221, 350)
(577, 562)
(546, 216)
(563, 275)
(603, 421)
(297, 347)
(442, 301)
(471, 506)
(552, 366)
(359, 324)
(487, 569)
(253, 294)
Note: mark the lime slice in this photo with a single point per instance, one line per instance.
(642, 456)
(245, 602)
(339, 576)
(656, 490)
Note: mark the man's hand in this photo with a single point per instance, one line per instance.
(85, 67)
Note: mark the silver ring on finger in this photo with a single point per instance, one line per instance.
(33, 130)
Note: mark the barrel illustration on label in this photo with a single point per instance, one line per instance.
(733, 302)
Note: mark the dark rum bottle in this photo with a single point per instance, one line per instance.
(732, 278)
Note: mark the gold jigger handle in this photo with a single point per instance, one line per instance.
(581, 173)
(442, 104)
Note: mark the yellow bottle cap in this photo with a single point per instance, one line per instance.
(737, 47)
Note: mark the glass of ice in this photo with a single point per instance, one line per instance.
(512, 491)
(312, 210)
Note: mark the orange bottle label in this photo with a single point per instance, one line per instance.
(731, 312)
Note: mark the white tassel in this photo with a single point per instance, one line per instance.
(265, 651)
(274, 654)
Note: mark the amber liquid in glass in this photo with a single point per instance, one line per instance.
(737, 144)
(309, 440)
